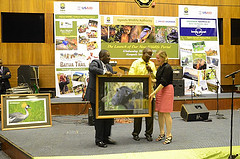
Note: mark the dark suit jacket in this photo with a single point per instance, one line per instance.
(95, 68)
(5, 84)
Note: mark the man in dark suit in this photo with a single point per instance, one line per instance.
(102, 126)
(5, 74)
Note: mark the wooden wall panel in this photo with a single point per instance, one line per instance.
(15, 54)
(224, 49)
(131, 8)
(237, 51)
(229, 11)
(228, 55)
(211, 104)
(48, 55)
(70, 109)
(27, 53)
(13, 80)
(49, 28)
(227, 69)
(48, 74)
(209, 3)
(30, 6)
(4, 7)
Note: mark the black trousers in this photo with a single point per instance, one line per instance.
(102, 126)
(2, 89)
(149, 123)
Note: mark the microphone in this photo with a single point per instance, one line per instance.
(211, 67)
(232, 74)
(148, 68)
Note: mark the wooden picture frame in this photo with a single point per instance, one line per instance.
(21, 111)
(125, 96)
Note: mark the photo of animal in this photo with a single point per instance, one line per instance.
(186, 59)
(104, 32)
(82, 28)
(161, 35)
(144, 34)
(66, 43)
(134, 35)
(211, 61)
(172, 37)
(17, 116)
(199, 64)
(125, 34)
(27, 111)
(198, 46)
(126, 96)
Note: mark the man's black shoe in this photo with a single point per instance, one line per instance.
(101, 144)
(149, 138)
(110, 141)
(136, 137)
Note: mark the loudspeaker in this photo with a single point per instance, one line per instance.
(178, 85)
(177, 72)
(194, 112)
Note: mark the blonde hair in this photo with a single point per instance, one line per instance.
(163, 54)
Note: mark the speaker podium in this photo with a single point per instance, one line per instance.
(194, 112)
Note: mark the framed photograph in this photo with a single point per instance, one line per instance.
(125, 96)
(21, 111)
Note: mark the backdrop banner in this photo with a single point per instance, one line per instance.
(199, 49)
(126, 36)
(77, 43)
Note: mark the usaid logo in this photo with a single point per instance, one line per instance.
(84, 8)
(205, 13)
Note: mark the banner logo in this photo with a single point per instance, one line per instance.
(108, 19)
(198, 31)
(62, 6)
(186, 11)
(144, 3)
(84, 8)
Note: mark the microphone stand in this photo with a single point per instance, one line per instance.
(231, 132)
(191, 91)
(219, 116)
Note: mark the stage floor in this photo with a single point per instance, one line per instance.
(72, 136)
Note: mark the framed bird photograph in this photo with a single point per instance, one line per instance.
(21, 111)
(125, 96)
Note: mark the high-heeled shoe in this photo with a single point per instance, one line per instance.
(160, 137)
(168, 140)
